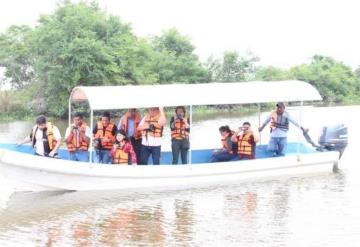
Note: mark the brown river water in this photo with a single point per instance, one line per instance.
(312, 210)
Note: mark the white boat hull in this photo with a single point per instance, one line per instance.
(33, 173)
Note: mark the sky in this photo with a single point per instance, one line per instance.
(281, 33)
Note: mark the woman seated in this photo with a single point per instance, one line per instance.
(228, 150)
(246, 141)
(122, 152)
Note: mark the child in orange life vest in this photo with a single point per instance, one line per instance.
(246, 141)
(228, 151)
(122, 152)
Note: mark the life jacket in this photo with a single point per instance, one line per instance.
(224, 143)
(158, 131)
(125, 122)
(244, 146)
(282, 123)
(179, 132)
(80, 144)
(120, 157)
(49, 136)
(105, 133)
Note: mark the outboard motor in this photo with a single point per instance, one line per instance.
(334, 138)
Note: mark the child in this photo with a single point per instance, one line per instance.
(122, 149)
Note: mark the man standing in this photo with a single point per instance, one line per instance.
(130, 123)
(279, 128)
(152, 129)
(45, 138)
(77, 138)
(104, 138)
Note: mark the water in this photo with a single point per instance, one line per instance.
(314, 210)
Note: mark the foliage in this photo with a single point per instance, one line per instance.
(335, 81)
(232, 67)
(271, 73)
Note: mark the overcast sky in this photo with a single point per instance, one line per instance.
(281, 32)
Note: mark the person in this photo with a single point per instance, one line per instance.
(122, 152)
(180, 128)
(104, 138)
(152, 126)
(130, 123)
(45, 138)
(77, 138)
(279, 128)
(246, 141)
(228, 150)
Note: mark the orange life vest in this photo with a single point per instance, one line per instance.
(244, 145)
(76, 143)
(179, 132)
(120, 157)
(275, 123)
(125, 122)
(158, 131)
(49, 133)
(105, 133)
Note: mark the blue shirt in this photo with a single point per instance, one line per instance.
(131, 127)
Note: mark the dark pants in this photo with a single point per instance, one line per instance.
(145, 153)
(222, 156)
(137, 148)
(178, 146)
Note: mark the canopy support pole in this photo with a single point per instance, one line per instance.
(299, 135)
(190, 156)
(69, 111)
(259, 120)
(91, 142)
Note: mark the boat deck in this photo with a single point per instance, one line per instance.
(198, 156)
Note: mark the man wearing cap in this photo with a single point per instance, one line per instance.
(279, 128)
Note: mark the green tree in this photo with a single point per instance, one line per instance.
(232, 67)
(16, 56)
(175, 60)
(335, 81)
(271, 73)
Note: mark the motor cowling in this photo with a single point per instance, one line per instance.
(334, 137)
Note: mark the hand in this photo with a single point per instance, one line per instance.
(261, 128)
(52, 154)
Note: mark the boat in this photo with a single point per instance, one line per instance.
(27, 172)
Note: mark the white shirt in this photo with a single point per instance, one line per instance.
(39, 145)
(149, 140)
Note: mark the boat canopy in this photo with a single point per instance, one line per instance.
(142, 96)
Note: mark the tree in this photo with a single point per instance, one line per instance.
(232, 67)
(271, 73)
(335, 81)
(175, 60)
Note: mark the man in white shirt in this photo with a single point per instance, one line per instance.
(77, 138)
(279, 128)
(45, 138)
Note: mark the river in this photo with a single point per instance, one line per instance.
(313, 210)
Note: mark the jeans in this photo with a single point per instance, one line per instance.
(178, 146)
(222, 156)
(79, 155)
(137, 148)
(102, 156)
(277, 145)
(145, 154)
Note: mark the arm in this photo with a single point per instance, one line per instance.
(57, 137)
(120, 124)
(172, 123)
(143, 125)
(267, 120)
(27, 139)
(162, 118)
(229, 144)
(130, 150)
(294, 122)
(234, 137)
